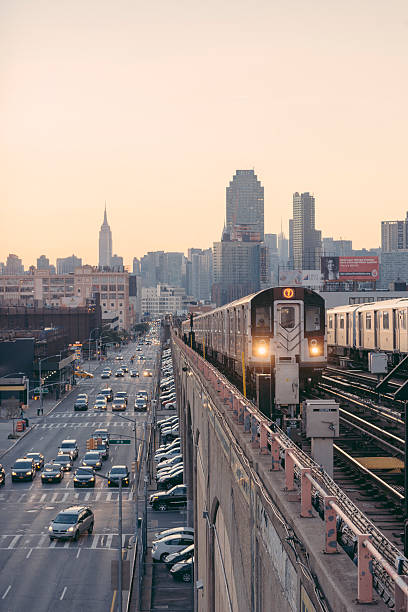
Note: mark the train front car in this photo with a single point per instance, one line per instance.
(288, 335)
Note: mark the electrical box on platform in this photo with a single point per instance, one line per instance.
(378, 363)
(321, 418)
(286, 384)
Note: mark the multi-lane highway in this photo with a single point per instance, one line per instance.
(40, 575)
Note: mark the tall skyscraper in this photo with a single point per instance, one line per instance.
(105, 243)
(236, 270)
(14, 265)
(245, 207)
(307, 241)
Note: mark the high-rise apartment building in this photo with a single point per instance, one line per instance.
(283, 250)
(394, 235)
(14, 265)
(200, 264)
(136, 265)
(105, 243)
(307, 242)
(337, 248)
(236, 270)
(151, 267)
(43, 263)
(116, 262)
(245, 207)
(67, 265)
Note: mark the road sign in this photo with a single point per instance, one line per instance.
(119, 441)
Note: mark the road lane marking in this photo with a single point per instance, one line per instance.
(63, 593)
(109, 539)
(95, 541)
(97, 496)
(20, 499)
(66, 544)
(113, 601)
(53, 544)
(42, 498)
(78, 553)
(65, 496)
(87, 496)
(7, 590)
(109, 496)
(14, 541)
(29, 553)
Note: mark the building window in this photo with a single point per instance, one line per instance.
(112, 305)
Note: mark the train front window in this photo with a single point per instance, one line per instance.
(287, 317)
(312, 318)
(262, 319)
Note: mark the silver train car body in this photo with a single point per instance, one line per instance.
(271, 326)
(355, 330)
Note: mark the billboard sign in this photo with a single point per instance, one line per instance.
(335, 269)
(300, 278)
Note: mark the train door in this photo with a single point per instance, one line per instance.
(335, 329)
(360, 329)
(396, 330)
(375, 329)
(287, 329)
(347, 329)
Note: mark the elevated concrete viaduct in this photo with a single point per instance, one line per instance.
(260, 545)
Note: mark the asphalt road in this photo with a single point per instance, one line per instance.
(39, 575)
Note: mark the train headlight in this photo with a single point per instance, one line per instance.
(314, 349)
(260, 348)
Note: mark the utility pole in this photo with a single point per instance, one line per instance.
(120, 547)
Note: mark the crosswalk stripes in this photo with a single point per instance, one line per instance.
(64, 496)
(95, 541)
(87, 424)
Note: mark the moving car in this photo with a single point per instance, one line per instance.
(103, 449)
(119, 373)
(52, 472)
(124, 368)
(101, 433)
(38, 459)
(70, 523)
(170, 544)
(118, 405)
(122, 394)
(106, 374)
(108, 393)
(65, 462)
(183, 570)
(164, 500)
(116, 473)
(2, 475)
(134, 373)
(84, 477)
(101, 404)
(140, 404)
(23, 469)
(118, 358)
(81, 404)
(147, 373)
(92, 459)
(69, 446)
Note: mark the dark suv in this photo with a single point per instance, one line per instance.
(165, 500)
(23, 469)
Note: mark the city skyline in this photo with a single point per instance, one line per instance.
(132, 105)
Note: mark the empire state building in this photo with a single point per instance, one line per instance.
(105, 243)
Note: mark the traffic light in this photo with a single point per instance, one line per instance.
(90, 444)
(133, 467)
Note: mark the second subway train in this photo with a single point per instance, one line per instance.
(357, 329)
(274, 328)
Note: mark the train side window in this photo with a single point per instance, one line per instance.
(330, 322)
(341, 323)
(368, 320)
(312, 318)
(403, 319)
(287, 317)
(262, 317)
(386, 320)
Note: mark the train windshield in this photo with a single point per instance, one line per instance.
(287, 317)
(262, 318)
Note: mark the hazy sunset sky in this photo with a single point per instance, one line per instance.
(152, 106)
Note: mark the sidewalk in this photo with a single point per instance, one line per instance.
(6, 426)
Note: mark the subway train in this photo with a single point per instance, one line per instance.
(260, 332)
(355, 330)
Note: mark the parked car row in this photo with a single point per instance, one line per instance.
(167, 387)
(175, 548)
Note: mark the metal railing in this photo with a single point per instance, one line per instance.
(270, 440)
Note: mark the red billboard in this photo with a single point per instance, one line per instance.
(337, 269)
